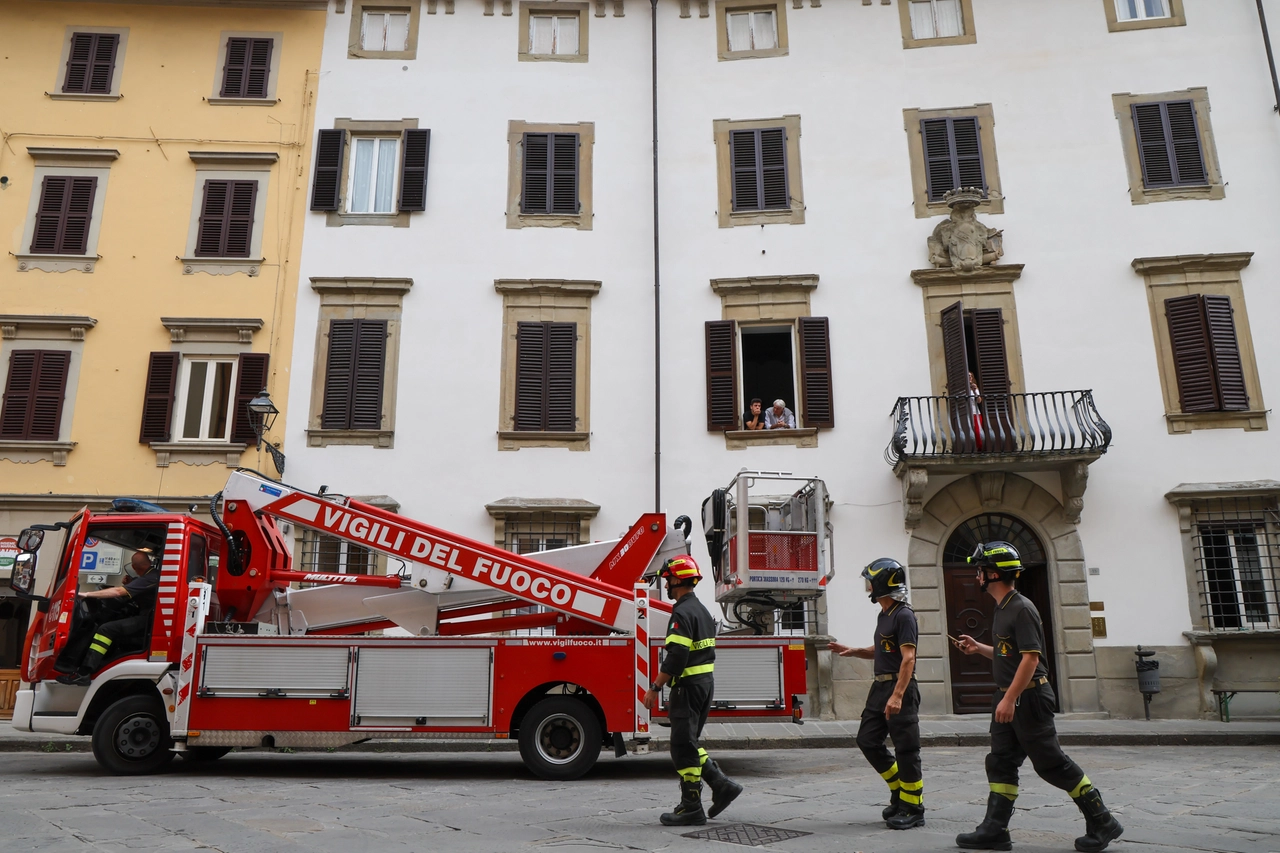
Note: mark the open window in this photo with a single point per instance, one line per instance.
(788, 360)
(974, 346)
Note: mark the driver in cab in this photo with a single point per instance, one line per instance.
(105, 617)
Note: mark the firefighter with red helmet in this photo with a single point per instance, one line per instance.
(893, 702)
(1022, 719)
(688, 666)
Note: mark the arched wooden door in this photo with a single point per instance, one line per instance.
(969, 609)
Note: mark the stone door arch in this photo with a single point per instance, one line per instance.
(1044, 514)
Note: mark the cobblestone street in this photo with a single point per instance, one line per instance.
(1169, 799)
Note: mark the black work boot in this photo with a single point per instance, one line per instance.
(993, 832)
(80, 678)
(723, 789)
(895, 803)
(909, 816)
(689, 811)
(1100, 827)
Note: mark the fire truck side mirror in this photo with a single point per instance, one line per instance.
(30, 539)
(23, 578)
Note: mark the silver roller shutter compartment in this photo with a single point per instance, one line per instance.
(259, 670)
(748, 677)
(434, 685)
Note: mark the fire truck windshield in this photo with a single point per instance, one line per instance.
(106, 559)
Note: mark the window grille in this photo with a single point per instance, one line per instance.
(529, 533)
(324, 553)
(1236, 559)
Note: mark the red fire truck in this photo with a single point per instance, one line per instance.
(245, 651)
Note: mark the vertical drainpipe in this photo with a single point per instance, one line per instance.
(1271, 59)
(657, 276)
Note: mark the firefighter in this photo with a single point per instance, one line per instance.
(687, 667)
(1022, 724)
(105, 618)
(893, 703)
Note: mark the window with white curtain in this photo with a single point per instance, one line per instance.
(935, 19)
(755, 30)
(385, 31)
(1141, 10)
(553, 35)
(205, 392)
(371, 186)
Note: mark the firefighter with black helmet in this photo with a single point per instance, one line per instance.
(893, 702)
(1022, 719)
(688, 666)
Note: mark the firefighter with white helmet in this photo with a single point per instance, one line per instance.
(1022, 719)
(893, 702)
(688, 666)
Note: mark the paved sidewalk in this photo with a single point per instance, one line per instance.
(939, 731)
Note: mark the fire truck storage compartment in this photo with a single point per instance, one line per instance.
(416, 686)
(748, 676)
(274, 670)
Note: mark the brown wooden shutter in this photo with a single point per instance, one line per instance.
(1192, 354)
(63, 215)
(91, 63)
(1169, 144)
(531, 362)
(325, 187)
(562, 346)
(413, 170)
(722, 375)
(247, 70)
(339, 375)
(773, 169)
(952, 155)
(954, 351)
(370, 361)
(157, 402)
(34, 394)
(251, 378)
(743, 155)
(815, 373)
(1225, 347)
(564, 174)
(535, 195)
(226, 219)
(988, 339)
(759, 162)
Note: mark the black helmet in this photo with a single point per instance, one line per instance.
(999, 556)
(885, 576)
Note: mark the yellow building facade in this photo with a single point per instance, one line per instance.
(153, 172)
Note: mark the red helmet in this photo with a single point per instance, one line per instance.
(680, 570)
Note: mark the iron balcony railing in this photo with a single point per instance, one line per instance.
(1053, 423)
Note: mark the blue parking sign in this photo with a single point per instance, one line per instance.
(88, 561)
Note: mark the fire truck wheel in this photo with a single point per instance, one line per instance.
(132, 737)
(560, 738)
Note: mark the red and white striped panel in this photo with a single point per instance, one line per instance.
(642, 657)
(170, 573)
(192, 624)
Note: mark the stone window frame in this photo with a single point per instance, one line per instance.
(583, 219)
(535, 6)
(1138, 192)
(117, 71)
(1184, 275)
(768, 301)
(721, 129)
(562, 508)
(68, 162)
(45, 331)
(909, 41)
(545, 300)
(360, 127)
(911, 118)
(359, 7)
(723, 7)
(1177, 18)
(988, 287)
(203, 338)
(352, 298)
(273, 76)
(229, 166)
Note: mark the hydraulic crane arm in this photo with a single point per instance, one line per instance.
(585, 598)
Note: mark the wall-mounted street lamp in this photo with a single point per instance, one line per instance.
(262, 415)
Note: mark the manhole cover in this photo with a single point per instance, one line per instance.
(748, 834)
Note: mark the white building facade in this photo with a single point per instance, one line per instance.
(478, 343)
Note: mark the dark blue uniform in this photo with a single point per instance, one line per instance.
(895, 628)
(689, 660)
